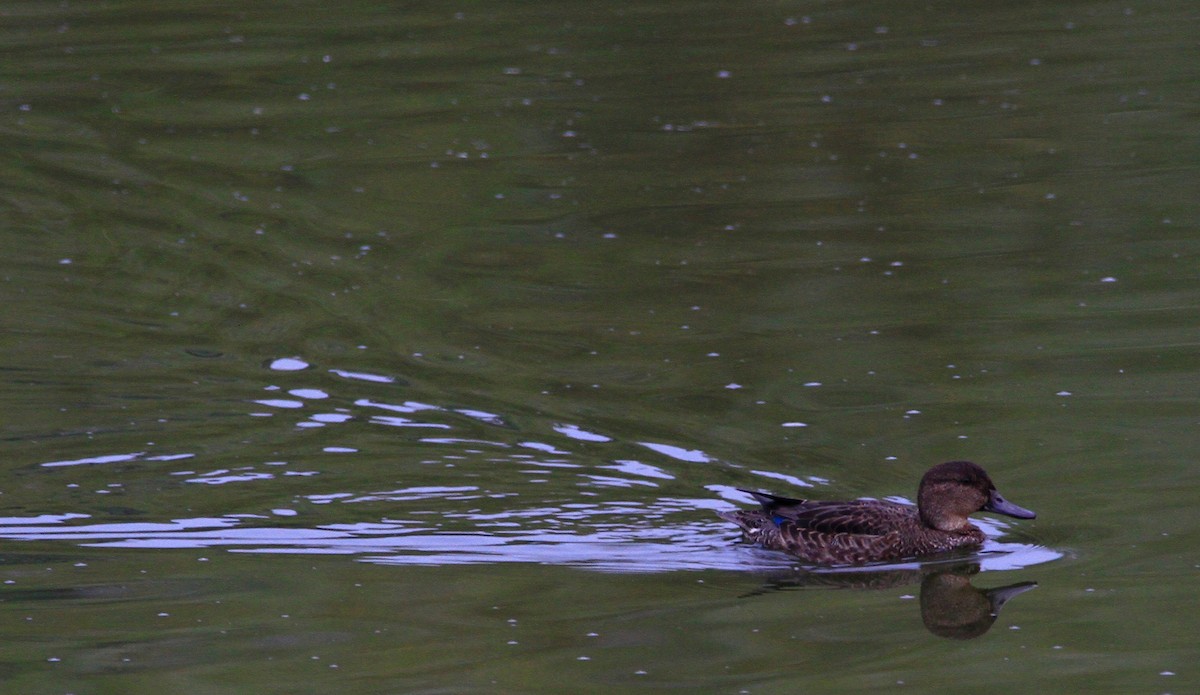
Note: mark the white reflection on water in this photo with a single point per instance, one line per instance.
(547, 448)
(220, 477)
(638, 468)
(679, 453)
(578, 433)
(405, 407)
(799, 482)
(395, 421)
(280, 403)
(363, 376)
(593, 538)
(116, 458)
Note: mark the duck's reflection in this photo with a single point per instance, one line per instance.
(951, 606)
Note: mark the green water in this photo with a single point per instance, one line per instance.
(412, 348)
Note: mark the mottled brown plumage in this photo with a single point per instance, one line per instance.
(862, 531)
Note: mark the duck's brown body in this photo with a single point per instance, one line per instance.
(848, 533)
(862, 531)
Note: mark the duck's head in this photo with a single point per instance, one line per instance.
(951, 491)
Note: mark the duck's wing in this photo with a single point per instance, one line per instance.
(829, 533)
(861, 517)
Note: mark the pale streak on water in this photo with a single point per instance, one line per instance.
(629, 548)
(626, 536)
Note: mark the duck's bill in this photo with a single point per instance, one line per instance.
(998, 504)
(1001, 594)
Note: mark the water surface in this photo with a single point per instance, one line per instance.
(412, 349)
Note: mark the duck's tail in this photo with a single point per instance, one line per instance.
(750, 522)
(771, 502)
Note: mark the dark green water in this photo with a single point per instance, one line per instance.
(411, 348)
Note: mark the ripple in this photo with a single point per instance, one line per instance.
(798, 482)
(222, 477)
(116, 458)
(363, 376)
(426, 521)
(600, 537)
(639, 468)
(280, 403)
(578, 433)
(679, 453)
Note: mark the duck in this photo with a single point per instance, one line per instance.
(859, 532)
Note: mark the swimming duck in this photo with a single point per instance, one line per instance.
(862, 531)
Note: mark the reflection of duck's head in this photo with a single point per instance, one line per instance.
(952, 491)
(951, 607)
